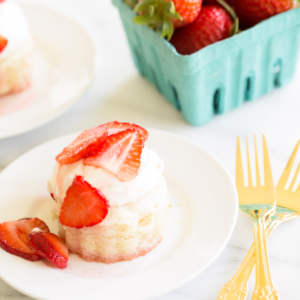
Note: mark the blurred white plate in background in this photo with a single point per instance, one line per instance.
(64, 65)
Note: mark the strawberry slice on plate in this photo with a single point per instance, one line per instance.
(49, 246)
(14, 237)
(120, 154)
(83, 206)
(86, 143)
(3, 42)
(116, 127)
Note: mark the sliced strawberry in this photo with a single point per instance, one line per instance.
(14, 237)
(120, 154)
(86, 143)
(83, 206)
(3, 42)
(115, 127)
(49, 246)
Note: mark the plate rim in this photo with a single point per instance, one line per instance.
(194, 274)
(96, 63)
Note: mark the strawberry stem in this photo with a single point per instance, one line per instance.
(158, 15)
(232, 13)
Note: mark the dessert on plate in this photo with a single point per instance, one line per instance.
(15, 49)
(111, 197)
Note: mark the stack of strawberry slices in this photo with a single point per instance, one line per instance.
(112, 200)
(30, 238)
(15, 49)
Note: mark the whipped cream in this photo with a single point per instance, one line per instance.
(13, 27)
(116, 191)
(147, 207)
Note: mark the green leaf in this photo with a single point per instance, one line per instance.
(151, 10)
(165, 29)
(175, 16)
(142, 20)
(169, 7)
(143, 6)
(159, 29)
(170, 29)
(158, 15)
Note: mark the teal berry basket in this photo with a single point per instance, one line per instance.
(222, 76)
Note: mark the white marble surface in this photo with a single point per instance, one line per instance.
(118, 92)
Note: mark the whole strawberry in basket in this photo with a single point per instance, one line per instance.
(165, 15)
(195, 26)
(252, 12)
(214, 23)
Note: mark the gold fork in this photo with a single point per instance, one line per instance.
(258, 202)
(287, 208)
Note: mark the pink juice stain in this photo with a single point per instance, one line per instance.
(16, 102)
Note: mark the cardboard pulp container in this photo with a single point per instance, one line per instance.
(222, 76)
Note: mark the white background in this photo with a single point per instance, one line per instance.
(119, 93)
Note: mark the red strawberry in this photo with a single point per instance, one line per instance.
(115, 127)
(166, 15)
(14, 237)
(213, 24)
(3, 42)
(251, 12)
(83, 206)
(188, 10)
(86, 143)
(49, 246)
(120, 154)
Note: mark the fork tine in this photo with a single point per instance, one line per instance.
(239, 166)
(298, 188)
(267, 166)
(286, 173)
(256, 161)
(248, 161)
(295, 178)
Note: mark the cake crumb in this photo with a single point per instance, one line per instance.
(170, 205)
(179, 204)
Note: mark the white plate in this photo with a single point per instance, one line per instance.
(64, 65)
(203, 215)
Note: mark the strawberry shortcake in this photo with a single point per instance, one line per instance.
(15, 49)
(111, 197)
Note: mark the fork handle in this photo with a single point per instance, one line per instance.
(237, 287)
(264, 289)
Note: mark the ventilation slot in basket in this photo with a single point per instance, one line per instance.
(217, 101)
(249, 88)
(277, 73)
(176, 98)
